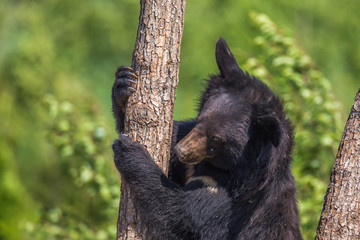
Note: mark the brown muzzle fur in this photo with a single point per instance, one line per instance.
(192, 148)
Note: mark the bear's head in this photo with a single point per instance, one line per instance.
(240, 122)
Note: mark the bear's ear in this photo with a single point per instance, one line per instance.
(270, 126)
(225, 59)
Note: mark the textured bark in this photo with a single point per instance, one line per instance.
(340, 218)
(149, 114)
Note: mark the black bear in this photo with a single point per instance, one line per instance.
(229, 176)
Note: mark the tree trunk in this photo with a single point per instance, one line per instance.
(340, 218)
(149, 114)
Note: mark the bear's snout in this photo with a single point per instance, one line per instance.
(192, 148)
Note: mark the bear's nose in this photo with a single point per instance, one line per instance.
(178, 152)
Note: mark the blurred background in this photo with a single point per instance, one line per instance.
(57, 64)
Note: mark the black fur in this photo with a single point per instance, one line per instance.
(242, 189)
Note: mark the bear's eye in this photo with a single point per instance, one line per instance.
(214, 143)
(214, 139)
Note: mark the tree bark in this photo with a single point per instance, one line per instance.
(149, 114)
(340, 218)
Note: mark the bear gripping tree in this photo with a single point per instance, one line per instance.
(149, 113)
(241, 186)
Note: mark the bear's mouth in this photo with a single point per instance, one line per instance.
(192, 148)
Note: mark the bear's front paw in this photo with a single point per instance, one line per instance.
(125, 151)
(122, 145)
(125, 84)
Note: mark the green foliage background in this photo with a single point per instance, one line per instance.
(57, 60)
